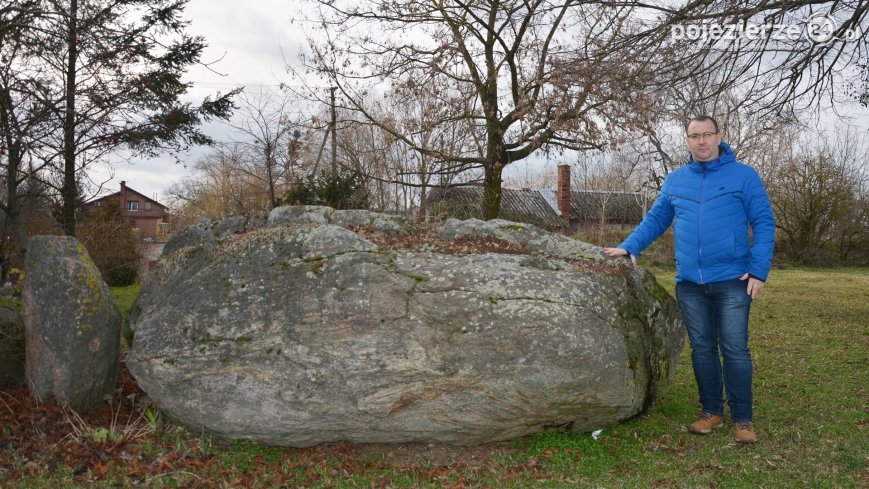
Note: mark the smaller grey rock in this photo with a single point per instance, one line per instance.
(208, 232)
(295, 214)
(229, 225)
(376, 221)
(197, 234)
(256, 221)
(71, 323)
(330, 240)
(454, 229)
(565, 247)
(11, 347)
(527, 237)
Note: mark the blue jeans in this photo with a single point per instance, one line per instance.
(716, 317)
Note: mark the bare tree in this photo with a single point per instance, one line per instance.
(402, 177)
(819, 195)
(517, 76)
(224, 182)
(270, 133)
(576, 75)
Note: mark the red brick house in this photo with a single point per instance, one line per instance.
(146, 215)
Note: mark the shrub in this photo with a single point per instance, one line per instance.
(112, 244)
(347, 189)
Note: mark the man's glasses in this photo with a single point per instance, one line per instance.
(697, 135)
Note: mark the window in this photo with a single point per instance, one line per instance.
(147, 206)
(132, 205)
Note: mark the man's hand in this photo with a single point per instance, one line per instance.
(619, 252)
(755, 286)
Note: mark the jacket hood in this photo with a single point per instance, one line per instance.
(725, 156)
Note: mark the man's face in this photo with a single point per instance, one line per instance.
(703, 148)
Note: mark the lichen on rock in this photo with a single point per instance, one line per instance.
(72, 325)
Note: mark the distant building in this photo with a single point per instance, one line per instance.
(147, 216)
(551, 209)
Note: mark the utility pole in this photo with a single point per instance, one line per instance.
(331, 129)
(69, 190)
(334, 133)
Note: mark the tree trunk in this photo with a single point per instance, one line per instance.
(494, 166)
(423, 212)
(69, 191)
(269, 150)
(13, 209)
(492, 191)
(14, 160)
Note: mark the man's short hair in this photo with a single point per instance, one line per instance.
(701, 118)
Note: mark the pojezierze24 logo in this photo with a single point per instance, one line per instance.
(819, 28)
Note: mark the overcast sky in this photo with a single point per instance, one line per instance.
(252, 41)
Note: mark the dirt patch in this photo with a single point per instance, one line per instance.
(432, 453)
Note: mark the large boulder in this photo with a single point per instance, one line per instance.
(71, 324)
(307, 332)
(11, 347)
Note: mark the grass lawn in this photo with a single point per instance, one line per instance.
(809, 338)
(125, 296)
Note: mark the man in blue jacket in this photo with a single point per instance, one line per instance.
(714, 199)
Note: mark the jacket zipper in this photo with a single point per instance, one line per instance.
(699, 225)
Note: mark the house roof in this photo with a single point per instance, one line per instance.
(129, 191)
(540, 206)
(516, 205)
(621, 207)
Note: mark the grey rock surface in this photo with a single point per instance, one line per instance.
(208, 232)
(291, 214)
(345, 218)
(11, 347)
(307, 333)
(375, 221)
(71, 323)
(527, 237)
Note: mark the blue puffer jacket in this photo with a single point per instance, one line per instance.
(713, 203)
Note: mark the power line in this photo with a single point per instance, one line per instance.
(246, 84)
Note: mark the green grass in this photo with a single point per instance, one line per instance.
(810, 342)
(125, 297)
(12, 303)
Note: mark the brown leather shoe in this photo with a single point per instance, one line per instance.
(743, 431)
(705, 423)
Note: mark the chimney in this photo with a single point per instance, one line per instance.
(122, 195)
(562, 194)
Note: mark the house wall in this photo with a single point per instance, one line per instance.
(148, 227)
(134, 206)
